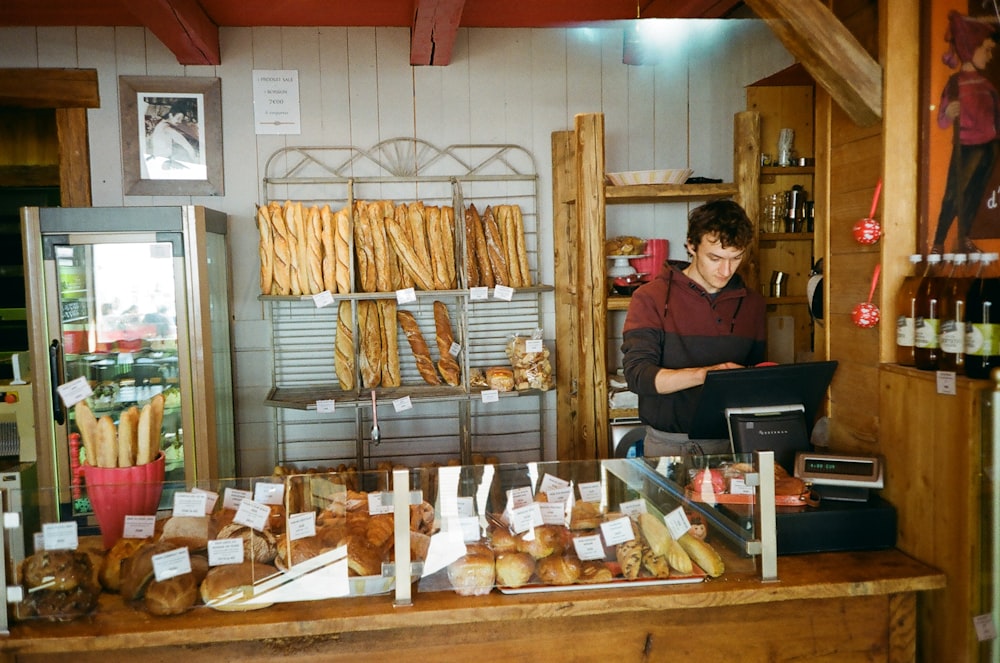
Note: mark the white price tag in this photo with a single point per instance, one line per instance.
(60, 536)
(252, 514)
(268, 493)
(617, 531)
(225, 551)
(738, 486)
(74, 391)
(455, 349)
(406, 296)
(39, 541)
(469, 525)
(550, 483)
(588, 547)
(519, 497)
(553, 513)
(322, 299)
(633, 508)
(402, 404)
(139, 527)
(945, 383)
(465, 506)
(561, 495)
(677, 522)
(490, 395)
(590, 491)
(301, 525)
(525, 518)
(190, 504)
(171, 563)
(233, 497)
(326, 406)
(986, 628)
(504, 292)
(211, 498)
(379, 502)
(533, 345)
(479, 294)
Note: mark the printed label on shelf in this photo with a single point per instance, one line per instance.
(233, 497)
(504, 292)
(588, 547)
(379, 502)
(326, 406)
(60, 536)
(479, 293)
(189, 504)
(633, 508)
(617, 531)
(551, 482)
(402, 404)
(211, 497)
(677, 522)
(490, 395)
(406, 296)
(533, 345)
(74, 391)
(252, 514)
(139, 527)
(553, 513)
(225, 551)
(301, 525)
(526, 518)
(171, 563)
(590, 491)
(322, 299)
(268, 493)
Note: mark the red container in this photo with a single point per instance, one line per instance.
(74, 342)
(657, 250)
(116, 492)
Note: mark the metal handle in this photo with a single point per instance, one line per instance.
(57, 378)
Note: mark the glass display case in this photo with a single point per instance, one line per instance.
(246, 544)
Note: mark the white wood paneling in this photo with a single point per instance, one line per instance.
(57, 47)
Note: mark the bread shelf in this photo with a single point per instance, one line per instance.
(645, 193)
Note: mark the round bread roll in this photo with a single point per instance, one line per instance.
(56, 570)
(290, 553)
(585, 515)
(171, 596)
(473, 573)
(547, 540)
(594, 571)
(229, 587)
(514, 569)
(502, 541)
(363, 559)
(111, 568)
(559, 570)
(191, 531)
(137, 570)
(257, 546)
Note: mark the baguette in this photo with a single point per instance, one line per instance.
(421, 276)
(314, 223)
(439, 270)
(107, 442)
(342, 246)
(417, 218)
(418, 346)
(522, 250)
(703, 555)
(448, 244)
(86, 422)
(655, 531)
(329, 251)
(505, 222)
(281, 271)
(156, 403)
(343, 359)
(369, 330)
(390, 343)
(447, 365)
(380, 249)
(363, 248)
(400, 216)
(494, 248)
(472, 276)
(294, 231)
(128, 445)
(265, 249)
(144, 438)
(486, 276)
(305, 231)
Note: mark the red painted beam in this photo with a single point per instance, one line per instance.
(435, 25)
(182, 26)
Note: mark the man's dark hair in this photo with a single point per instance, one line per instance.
(722, 217)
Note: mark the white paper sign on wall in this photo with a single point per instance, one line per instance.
(276, 101)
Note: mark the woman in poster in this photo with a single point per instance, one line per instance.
(970, 106)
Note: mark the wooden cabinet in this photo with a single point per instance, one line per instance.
(580, 198)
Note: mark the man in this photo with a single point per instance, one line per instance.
(692, 318)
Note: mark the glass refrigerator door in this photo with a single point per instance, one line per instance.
(118, 303)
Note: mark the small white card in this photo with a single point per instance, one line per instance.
(633, 508)
(402, 404)
(945, 383)
(617, 531)
(738, 486)
(322, 299)
(470, 529)
(252, 514)
(490, 395)
(233, 497)
(550, 483)
(268, 493)
(455, 349)
(590, 491)
(479, 294)
(465, 506)
(534, 345)
(139, 527)
(326, 406)
(379, 502)
(519, 497)
(60, 536)
(190, 504)
(677, 522)
(171, 563)
(561, 495)
(525, 518)
(74, 391)
(553, 513)
(588, 547)
(504, 292)
(211, 498)
(301, 525)
(406, 296)
(986, 628)
(225, 551)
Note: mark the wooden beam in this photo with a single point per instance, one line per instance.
(432, 36)
(182, 26)
(49, 88)
(829, 52)
(74, 157)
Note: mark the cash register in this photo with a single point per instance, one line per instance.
(772, 408)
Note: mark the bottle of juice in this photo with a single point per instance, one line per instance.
(951, 333)
(982, 336)
(927, 321)
(906, 302)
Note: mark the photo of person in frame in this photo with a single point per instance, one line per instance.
(171, 130)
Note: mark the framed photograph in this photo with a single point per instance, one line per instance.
(960, 211)
(171, 136)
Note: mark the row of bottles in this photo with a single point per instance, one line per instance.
(945, 320)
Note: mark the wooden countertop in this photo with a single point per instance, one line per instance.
(801, 577)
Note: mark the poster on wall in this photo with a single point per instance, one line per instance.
(276, 101)
(961, 127)
(170, 136)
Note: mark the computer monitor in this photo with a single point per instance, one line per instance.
(802, 384)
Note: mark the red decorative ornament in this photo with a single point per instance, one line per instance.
(866, 314)
(868, 230)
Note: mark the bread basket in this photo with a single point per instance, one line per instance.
(668, 176)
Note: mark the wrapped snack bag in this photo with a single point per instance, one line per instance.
(530, 360)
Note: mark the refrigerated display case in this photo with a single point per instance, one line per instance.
(135, 301)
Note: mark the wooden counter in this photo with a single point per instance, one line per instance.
(825, 607)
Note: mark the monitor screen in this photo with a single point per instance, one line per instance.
(785, 384)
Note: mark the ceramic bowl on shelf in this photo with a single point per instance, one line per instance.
(667, 176)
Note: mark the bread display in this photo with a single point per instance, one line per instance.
(134, 441)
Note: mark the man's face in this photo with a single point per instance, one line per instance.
(982, 55)
(713, 266)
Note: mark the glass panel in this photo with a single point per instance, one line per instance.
(118, 310)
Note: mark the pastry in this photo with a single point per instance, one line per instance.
(137, 570)
(257, 546)
(304, 240)
(703, 554)
(447, 226)
(438, 258)
(593, 571)
(128, 428)
(500, 378)
(559, 569)
(658, 537)
(87, 423)
(655, 565)
(59, 585)
(514, 569)
(380, 249)
(194, 532)
(473, 574)
(542, 541)
(629, 556)
(522, 251)
(417, 232)
(418, 346)
(505, 222)
(502, 541)
(110, 573)
(585, 515)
